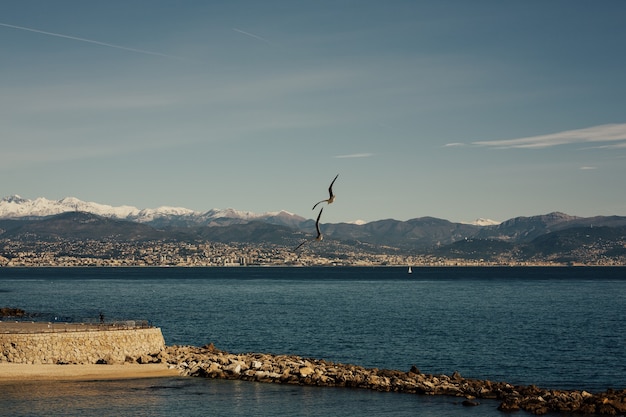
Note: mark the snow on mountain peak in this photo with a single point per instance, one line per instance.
(485, 222)
(16, 199)
(238, 214)
(147, 215)
(280, 213)
(16, 206)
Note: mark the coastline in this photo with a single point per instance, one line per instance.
(14, 372)
(209, 362)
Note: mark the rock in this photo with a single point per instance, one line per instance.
(233, 368)
(509, 405)
(143, 359)
(213, 367)
(210, 347)
(12, 312)
(306, 371)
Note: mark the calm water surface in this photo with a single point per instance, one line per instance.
(553, 327)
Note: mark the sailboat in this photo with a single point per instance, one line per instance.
(410, 270)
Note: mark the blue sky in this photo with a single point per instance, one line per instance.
(451, 109)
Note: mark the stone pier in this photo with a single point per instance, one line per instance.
(209, 362)
(60, 343)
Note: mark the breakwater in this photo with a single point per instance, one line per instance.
(210, 362)
(77, 344)
(41, 343)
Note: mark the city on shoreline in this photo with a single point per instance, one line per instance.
(210, 254)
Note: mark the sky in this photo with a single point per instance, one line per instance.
(452, 109)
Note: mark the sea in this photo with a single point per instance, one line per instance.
(554, 327)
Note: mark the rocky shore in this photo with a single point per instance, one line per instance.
(209, 362)
(11, 312)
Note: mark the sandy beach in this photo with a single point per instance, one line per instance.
(20, 372)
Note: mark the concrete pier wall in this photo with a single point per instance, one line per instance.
(81, 347)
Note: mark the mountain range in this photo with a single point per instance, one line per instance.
(14, 206)
(71, 218)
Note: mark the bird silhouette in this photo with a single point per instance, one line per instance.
(331, 197)
(317, 227)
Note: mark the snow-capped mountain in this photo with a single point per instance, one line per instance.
(485, 222)
(17, 207)
(49, 219)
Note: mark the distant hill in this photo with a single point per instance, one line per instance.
(78, 226)
(416, 234)
(553, 235)
(570, 245)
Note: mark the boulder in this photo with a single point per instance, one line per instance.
(305, 371)
(12, 312)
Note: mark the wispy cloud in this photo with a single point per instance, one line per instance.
(252, 35)
(453, 145)
(612, 146)
(355, 155)
(588, 168)
(594, 134)
(75, 38)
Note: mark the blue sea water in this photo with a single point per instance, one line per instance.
(553, 327)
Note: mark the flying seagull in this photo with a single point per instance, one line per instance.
(317, 227)
(331, 197)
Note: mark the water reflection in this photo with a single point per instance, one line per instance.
(200, 397)
(65, 398)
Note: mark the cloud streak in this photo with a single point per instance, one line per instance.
(75, 38)
(252, 35)
(354, 155)
(595, 134)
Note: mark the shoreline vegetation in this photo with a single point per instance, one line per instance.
(210, 362)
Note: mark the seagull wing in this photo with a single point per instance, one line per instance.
(317, 224)
(316, 204)
(330, 189)
(331, 197)
(317, 227)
